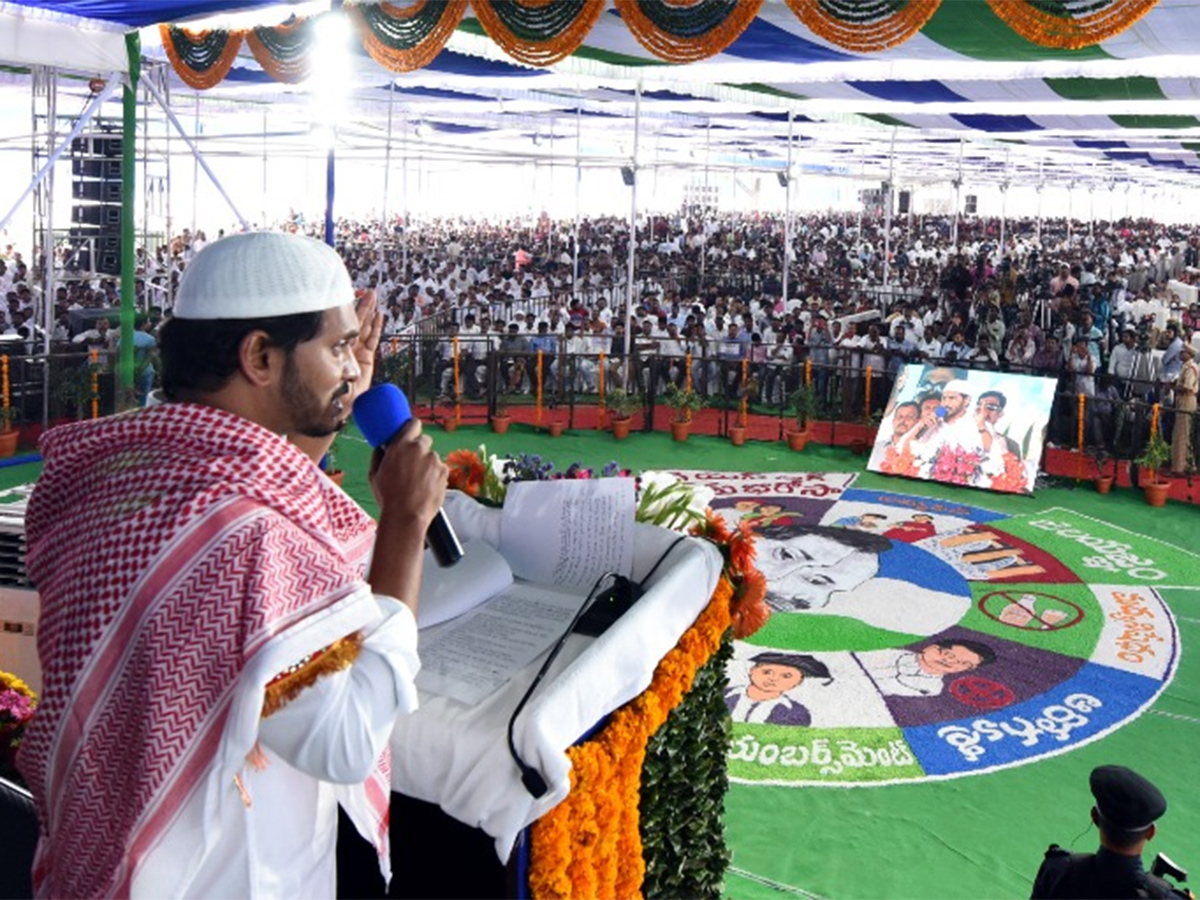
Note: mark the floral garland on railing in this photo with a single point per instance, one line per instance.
(537, 32)
(1069, 24)
(682, 31)
(590, 845)
(864, 26)
(404, 39)
(201, 58)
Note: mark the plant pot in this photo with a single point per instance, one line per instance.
(500, 423)
(797, 440)
(621, 428)
(858, 446)
(737, 435)
(8, 442)
(450, 424)
(555, 429)
(336, 476)
(681, 430)
(1104, 483)
(1156, 492)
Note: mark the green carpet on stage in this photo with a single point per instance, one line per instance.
(978, 836)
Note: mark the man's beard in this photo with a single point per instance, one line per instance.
(313, 418)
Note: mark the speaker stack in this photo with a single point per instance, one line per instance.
(96, 214)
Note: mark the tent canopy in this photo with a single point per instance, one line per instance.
(965, 91)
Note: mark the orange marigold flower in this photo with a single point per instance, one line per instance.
(466, 472)
(754, 586)
(749, 617)
(742, 552)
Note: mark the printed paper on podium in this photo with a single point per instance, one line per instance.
(584, 530)
(482, 625)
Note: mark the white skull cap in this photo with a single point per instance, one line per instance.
(262, 274)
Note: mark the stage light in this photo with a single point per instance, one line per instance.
(329, 77)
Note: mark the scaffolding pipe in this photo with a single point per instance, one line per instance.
(199, 158)
(93, 107)
(787, 213)
(629, 273)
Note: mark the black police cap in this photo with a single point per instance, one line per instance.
(1125, 799)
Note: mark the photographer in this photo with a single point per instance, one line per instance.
(1127, 806)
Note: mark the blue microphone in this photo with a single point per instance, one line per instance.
(380, 413)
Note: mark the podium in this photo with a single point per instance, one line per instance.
(456, 758)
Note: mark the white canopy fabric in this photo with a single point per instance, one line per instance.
(1126, 110)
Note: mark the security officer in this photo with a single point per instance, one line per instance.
(1127, 806)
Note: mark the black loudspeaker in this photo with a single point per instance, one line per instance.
(97, 191)
(106, 216)
(783, 179)
(627, 176)
(905, 199)
(972, 204)
(108, 169)
(96, 184)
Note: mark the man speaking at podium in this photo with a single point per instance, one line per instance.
(222, 668)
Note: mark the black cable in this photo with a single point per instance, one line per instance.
(531, 777)
(630, 592)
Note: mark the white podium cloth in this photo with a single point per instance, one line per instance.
(457, 756)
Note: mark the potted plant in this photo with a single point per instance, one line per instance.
(737, 431)
(1105, 478)
(684, 402)
(501, 419)
(622, 405)
(1155, 455)
(803, 403)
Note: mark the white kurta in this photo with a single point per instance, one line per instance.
(283, 843)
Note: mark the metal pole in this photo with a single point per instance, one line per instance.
(93, 107)
(330, 165)
(703, 209)
(787, 213)
(265, 192)
(957, 198)
(48, 241)
(195, 165)
(381, 265)
(1040, 185)
(195, 153)
(404, 202)
(578, 183)
(133, 47)
(887, 219)
(629, 273)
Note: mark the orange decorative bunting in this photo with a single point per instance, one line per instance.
(1069, 32)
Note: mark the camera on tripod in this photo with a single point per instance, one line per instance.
(1143, 333)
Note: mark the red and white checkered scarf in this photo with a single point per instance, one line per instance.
(172, 548)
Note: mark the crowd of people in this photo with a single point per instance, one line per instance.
(1107, 308)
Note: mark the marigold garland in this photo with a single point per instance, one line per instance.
(864, 26)
(1054, 23)
(681, 31)
(536, 32)
(606, 777)
(285, 51)
(404, 39)
(201, 58)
